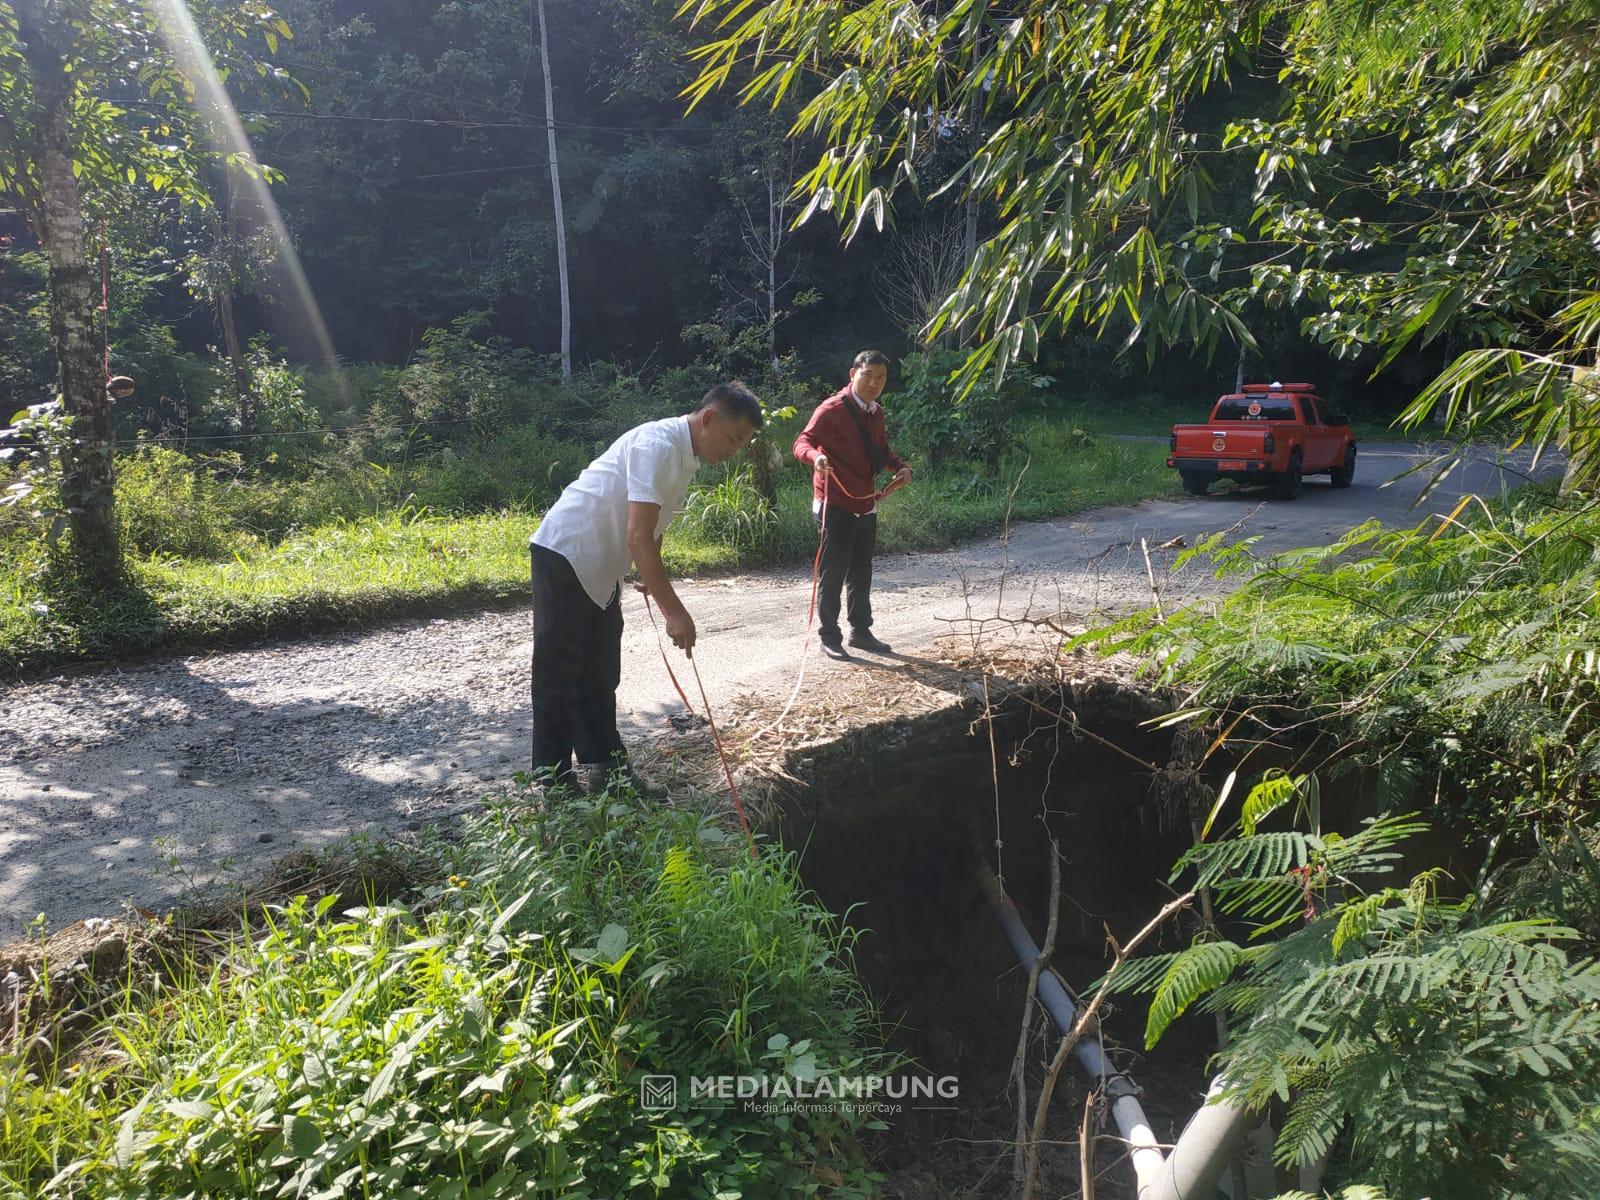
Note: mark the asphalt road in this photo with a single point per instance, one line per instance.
(124, 784)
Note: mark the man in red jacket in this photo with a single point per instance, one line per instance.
(846, 446)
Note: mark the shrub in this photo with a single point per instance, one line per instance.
(342, 395)
(168, 503)
(278, 395)
(1430, 1046)
(455, 483)
(931, 420)
(487, 1038)
(731, 512)
(532, 466)
(461, 385)
(1457, 658)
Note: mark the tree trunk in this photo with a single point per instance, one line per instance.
(774, 234)
(241, 369)
(86, 460)
(227, 232)
(766, 460)
(555, 188)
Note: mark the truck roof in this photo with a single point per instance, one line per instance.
(1248, 395)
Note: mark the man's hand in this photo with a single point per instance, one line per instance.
(641, 588)
(902, 477)
(680, 628)
(820, 462)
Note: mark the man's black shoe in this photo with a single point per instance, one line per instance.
(864, 639)
(835, 650)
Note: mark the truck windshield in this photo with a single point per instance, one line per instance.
(1270, 408)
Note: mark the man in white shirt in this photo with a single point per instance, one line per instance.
(611, 516)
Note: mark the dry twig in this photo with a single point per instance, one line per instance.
(1086, 1150)
(1019, 1060)
(1085, 1020)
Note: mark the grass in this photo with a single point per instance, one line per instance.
(355, 572)
(486, 1035)
(339, 576)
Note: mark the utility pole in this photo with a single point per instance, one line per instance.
(555, 189)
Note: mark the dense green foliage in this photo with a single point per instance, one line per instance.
(1459, 657)
(226, 555)
(485, 1037)
(1444, 1048)
(1433, 1036)
(1335, 188)
(1423, 169)
(415, 197)
(424, 229)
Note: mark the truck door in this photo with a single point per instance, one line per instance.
(1321, 440)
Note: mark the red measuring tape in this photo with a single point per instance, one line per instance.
(722, 751)
(716, 737)
(811, 610)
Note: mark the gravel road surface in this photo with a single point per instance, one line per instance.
(117, 783)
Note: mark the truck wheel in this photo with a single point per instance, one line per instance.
(1195, 482)
(1287, 485)
(1341, 476)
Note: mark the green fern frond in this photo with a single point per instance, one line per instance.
(1370, 850)
(1190, 974)
(1357, 918)
(681, 875)
(1314, 1121)
(1274, 791)
(1137, 975)
(1261, 856)
(1385, 978)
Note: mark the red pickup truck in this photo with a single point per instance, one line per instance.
(1275, 433)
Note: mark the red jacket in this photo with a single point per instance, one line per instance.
(833, 431)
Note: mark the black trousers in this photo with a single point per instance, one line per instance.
(577, 664)
(847, 545)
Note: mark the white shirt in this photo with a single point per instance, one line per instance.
(588, 526)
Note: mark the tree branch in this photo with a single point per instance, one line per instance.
(1085, 1020)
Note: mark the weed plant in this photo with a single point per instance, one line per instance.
(486, 1037)
(1412, 1042)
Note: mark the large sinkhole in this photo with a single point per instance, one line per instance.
(888, 828)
